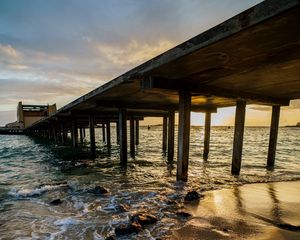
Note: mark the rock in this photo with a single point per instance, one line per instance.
(298, 124)
(98, 190)
(144, 219)
(56, 202)
(132, 227)
(110, 238)
(191, 196)
(122, 208)
(183, 214)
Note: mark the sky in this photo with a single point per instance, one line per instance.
(57, 50)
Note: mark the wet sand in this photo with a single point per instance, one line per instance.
(254, 211)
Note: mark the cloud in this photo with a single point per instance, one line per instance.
(8, 51)
(133, 52)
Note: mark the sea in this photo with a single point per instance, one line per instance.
(34, 172)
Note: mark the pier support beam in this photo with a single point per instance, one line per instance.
(132, 143)
(92, 135)
(164, 134)
(206, 135)
(123, 135)
(117, 131)
(108, 141)
(103, 132)
(74, 134)
(81, 134)
(63, 135)
(238, 137)
(183, 135)
(137, 132)
(273, 136)
(171, 129)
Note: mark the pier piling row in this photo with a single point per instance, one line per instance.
(252, 58)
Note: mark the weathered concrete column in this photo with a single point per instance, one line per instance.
(206, 135)
(171, 129)
(103, 132)
(108, 142)
(92, 135)
(132, 143)
(183, 135)
(164, 134)
(137, 132)
(238, 137)
(81, 134)
(54, 132)
(74, 134)
(117, 131)
(63, 134)
(273, 135)
(123, 135)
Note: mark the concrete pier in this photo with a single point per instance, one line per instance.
(132, 141)
(171, 135)
(164, 133)
(183, 135)
(74, 134)
(206, 135)
(92, 135)
(238, 137)
(273, 136)
(203, 74)
(123, 135)
(137, 132)
(108, 141)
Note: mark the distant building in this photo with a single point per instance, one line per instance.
(29, 114)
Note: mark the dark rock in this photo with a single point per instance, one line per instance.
(183, 214)
(171, 202)
(56, 202)
(110, 238)
(144, 219)
(98, 190)
(122, 208)
(191, 196)
(132, 227)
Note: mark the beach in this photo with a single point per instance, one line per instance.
(263, 211)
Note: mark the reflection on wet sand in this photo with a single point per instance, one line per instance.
(254, 211)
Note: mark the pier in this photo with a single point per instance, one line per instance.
(252, 58)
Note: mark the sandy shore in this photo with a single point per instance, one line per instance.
(255, 211)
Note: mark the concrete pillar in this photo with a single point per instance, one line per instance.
(273, 135)
(171, 130)
(103, 132)
(74, 134)
(117, 131)
(238, 137)
(183, 135)
(123, 135)
(108, 142)
(54, 132)
(137, 132)
(63, 134)
(132, 143)
(206, 135)
(164, 134)
(92, 135)
(81, 134)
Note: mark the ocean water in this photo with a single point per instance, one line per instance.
(34, 172)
